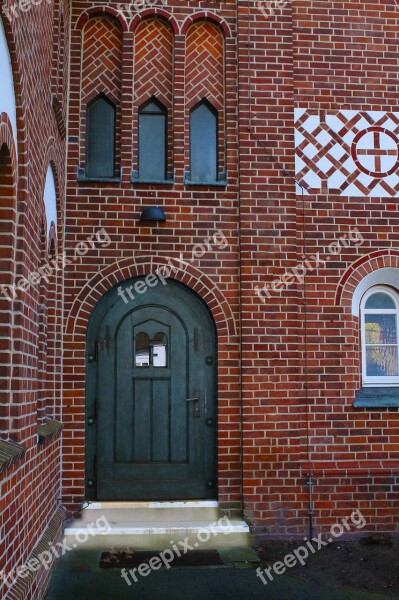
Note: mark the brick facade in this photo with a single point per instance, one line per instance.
(31, 332)
(289, 361)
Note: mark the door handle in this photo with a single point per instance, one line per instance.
(196, 404)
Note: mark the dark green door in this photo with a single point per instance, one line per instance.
(151, 397)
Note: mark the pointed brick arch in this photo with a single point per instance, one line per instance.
(118, 272)
(50, 160)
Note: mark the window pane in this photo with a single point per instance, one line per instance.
(100, 139)
(142, 351)
(382, 361)
(380, 329)
(152, 147)
(160, 350)
(380, 300)
(203, 144)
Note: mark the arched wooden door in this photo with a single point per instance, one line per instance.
(150, 408)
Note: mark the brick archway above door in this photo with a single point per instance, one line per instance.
(122, 270)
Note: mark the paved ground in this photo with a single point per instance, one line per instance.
(77, 576)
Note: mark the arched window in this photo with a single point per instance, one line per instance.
(142, 351)
(160, 350)
(152, 141)
(50, 201)
(100, 138)
(203, 143)
(379, 332)
(151, 352)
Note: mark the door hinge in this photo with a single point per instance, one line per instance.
(97, 347)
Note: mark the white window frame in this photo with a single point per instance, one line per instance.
(382, 380)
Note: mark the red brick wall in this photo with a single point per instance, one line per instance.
(193, 214)
(320, 56)
(7, 265)
(294, 391)
(30, 489)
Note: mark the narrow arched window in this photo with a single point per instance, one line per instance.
(380, 341)
(160, 350)
(203, 143)
(152, 141)
(143, 350)
(100, 140)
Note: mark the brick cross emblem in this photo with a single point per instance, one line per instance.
(375, 151)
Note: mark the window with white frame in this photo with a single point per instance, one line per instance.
(379, 332)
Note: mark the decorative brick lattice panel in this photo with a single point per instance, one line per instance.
(205, 75)
(351, 153)
(153, 73)
(101, 71)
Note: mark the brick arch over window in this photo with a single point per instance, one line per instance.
(101, 74)
(205, 79)
(206, 16)
(154, 13)
(153, 75)
(102, 11)
(8, 219)
(123, 270)
(375, 262)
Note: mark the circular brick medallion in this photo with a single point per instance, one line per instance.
(375, 151)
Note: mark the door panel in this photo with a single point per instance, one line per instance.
(150, 439)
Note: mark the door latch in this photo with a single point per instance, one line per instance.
(196, 404)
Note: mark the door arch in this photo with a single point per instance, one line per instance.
(151, 394)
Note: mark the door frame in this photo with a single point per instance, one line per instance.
(108, 301)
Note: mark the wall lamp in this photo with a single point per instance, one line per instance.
(153, 213)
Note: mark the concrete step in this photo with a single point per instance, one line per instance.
(148, 512)
(155, 525)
